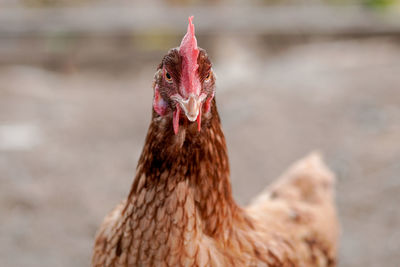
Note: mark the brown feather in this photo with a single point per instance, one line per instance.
(180, 210)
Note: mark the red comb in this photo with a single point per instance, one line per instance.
(189, 53)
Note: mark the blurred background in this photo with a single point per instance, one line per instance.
(293, 76)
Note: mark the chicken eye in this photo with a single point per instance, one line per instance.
(168, 77)
(208, 76)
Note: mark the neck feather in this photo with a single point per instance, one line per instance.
(197, 158)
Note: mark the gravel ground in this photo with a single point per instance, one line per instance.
(70, 141)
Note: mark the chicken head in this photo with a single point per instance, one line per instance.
(184, 83)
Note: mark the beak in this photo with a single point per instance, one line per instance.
(191, 106)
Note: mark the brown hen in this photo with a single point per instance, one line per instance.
(180, 210)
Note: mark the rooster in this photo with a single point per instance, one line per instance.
(180, 210)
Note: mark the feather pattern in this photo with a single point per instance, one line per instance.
(180, 210)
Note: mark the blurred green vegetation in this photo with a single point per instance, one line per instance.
(380, 4)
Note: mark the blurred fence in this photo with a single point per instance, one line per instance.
(31, 35)
(292, 20)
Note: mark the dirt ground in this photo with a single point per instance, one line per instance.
(70, 141)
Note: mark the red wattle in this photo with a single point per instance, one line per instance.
(199, 119)
(175, 120)
(207, 104)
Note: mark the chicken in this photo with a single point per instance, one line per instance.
(180, 210)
